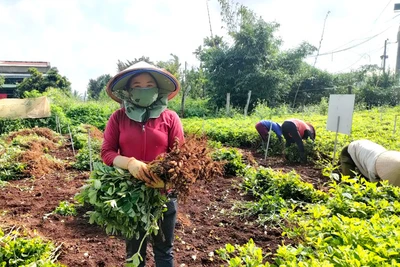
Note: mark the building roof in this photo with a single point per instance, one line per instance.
(24, 63)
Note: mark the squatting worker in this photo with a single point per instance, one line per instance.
(294, 131)
(138, 133)
(373, 161)
(264, 126)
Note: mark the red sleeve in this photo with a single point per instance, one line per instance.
(110, 147)
(176, 130)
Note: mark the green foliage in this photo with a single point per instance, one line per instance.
(289, 186)
(266, 209)
(89, 113)
(10, 167)
(19, 250)
(39, 82)
(172, 66)
(246, 255)
(309, 86)
(96, 86)
(253, 61)
(233, 158)
(66, 209)
(273, 193)
(193, 107)
(362, 199)
(357, 226)
(231, 132)
(343, 241)
(122, 204)
(1, 81)
(83, 157)
(292, 153)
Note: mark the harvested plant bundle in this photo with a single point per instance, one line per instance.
(185, 164)
(121, 204)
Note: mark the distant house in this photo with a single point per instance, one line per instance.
(14, 73)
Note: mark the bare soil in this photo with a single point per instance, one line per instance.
(204, 222)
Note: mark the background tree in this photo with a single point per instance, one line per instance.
(95, 86)
(38, 81)
(252, 62)
(2, 80)
(123, 65)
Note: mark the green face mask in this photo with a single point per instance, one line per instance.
(143, 97)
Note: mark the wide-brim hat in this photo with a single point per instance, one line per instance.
(387, 167)
(166, 82)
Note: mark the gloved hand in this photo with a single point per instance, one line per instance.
(139, 170)
(156, 181)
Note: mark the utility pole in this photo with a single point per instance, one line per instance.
(398, 52)
(396, 9)
(384, 56)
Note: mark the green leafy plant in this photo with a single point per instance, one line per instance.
(83, 157)
(233, 158)
(246, 255)
(66, 209)
(121, 204)
(292, 153)
(17, 249)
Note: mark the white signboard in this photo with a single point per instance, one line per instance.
(340, 113)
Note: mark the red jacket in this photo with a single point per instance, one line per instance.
(144, 142)
(302, 127)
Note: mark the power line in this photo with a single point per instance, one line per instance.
(357, 39)
(382, 11)
(353, 46)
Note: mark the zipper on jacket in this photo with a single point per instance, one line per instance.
(144, 140)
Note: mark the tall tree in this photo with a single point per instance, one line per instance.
(123, 65)
(253, 61)
(173, 66)
(38, 81)
(95, 86)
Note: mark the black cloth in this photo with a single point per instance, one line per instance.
(162, 242)
(292, 135)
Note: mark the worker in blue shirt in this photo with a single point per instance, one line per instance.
(264, 126)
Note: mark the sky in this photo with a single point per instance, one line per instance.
(85, 38)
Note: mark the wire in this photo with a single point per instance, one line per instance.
(353, 46)
(382, 11)
(389, 20)
(361, 56)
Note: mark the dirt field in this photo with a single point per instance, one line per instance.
(203, 221)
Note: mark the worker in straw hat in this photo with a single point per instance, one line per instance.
(137, 133)
(373, 161)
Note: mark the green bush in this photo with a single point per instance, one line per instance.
(292, 153)
(90, 113)
(66, 209)
(18, 250)
(233, 158)
(193, 107)
(289, 186)
(246, 255)
(83, 156)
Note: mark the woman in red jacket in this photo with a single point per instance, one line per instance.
(138, 133)
(294, 131)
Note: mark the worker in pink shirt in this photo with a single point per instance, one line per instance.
(137, 133)
(295, 131)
